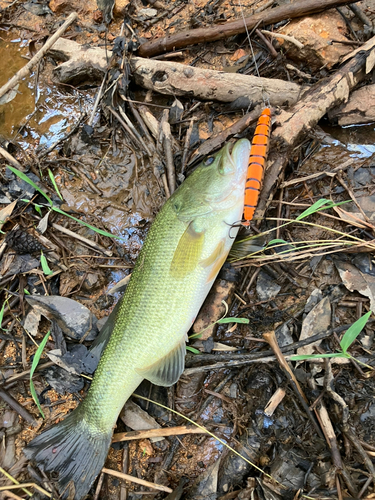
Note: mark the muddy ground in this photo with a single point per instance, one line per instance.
(306, 426)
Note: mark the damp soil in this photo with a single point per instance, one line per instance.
(105, 180)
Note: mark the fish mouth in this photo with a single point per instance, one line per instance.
(237, 156)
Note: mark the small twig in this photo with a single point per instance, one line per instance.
(361, 15)
(357, 445)
(88, 242)
(135, 132)
(330, 436)
(150, 433)
(270, 47)
(288, 38)
(136, 480)
(328, 384)
(9, 157)
(97, 101)
(14, 481)
(138, 117)
(186, 145)
(99, 486)
(26, 373)
(271, 339)
(274, 402)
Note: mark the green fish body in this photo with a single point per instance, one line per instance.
(184, 250)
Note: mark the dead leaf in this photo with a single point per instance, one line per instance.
(6, 212)
(318, 320)
(354, 279)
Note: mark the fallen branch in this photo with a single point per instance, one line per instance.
(180, 80)
(304, 115)
(25, 71)
(213, 33)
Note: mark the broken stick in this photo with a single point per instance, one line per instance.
(210, 34)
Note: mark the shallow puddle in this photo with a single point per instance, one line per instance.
(14, 112)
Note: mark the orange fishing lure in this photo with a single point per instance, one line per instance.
(257, 161)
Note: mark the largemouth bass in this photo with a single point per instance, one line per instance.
(184, 250)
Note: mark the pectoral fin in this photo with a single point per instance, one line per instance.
(188, 252)
(216, 260)
(167, 370)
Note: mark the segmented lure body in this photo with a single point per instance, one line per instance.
(257, 162)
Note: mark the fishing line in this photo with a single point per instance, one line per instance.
(266, 101)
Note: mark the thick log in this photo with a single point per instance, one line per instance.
(210, 34)
(180, 80)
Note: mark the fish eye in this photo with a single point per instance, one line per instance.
(209, 161)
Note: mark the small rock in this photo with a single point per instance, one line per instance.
(120, 8)
(266, 287)
(147, 13)
(59, 6)
(283, 335)
(62, 381)
(238, 54)
(315, 33)
(73, 318)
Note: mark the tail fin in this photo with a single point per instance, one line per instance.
(72, 449)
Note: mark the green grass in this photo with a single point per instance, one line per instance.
(25, 178)
(35, 362)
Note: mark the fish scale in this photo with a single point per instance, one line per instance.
(184, 250)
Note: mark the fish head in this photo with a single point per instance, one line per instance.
(218, 183)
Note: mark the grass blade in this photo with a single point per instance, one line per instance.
(192, 349)
(97, 230)
(303, 357)
(35, 362)
(47, 271)
(233, 320)
(24, 177)
(54, 184)
(353, 331)
(315, 207)
(319, 205)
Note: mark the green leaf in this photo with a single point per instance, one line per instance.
(315, 207)
(47, 271)
(320, 205)
(99, 231)
(302, 357)
(26, 292)
(192, 349)
(35, 362)
(353, 331)
(38, 209)
(276, 241)
(24, 177)
(2, 312)
(233, 320)
(51, 176)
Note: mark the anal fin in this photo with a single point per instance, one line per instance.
(166, 371)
